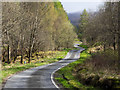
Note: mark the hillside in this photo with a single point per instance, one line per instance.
(74, 18)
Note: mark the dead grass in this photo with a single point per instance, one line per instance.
(101, 70)
(104, 61)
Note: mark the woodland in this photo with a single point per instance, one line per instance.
(31, 27)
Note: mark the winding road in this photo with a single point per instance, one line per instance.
(41, 78)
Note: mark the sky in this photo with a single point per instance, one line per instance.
(72, 6)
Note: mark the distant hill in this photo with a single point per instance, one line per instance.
(74, 18)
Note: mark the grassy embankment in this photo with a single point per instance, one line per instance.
(101, 70)
(49, 57)
(71, 81)
(97, 70)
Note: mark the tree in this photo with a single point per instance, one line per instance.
(103, 27)
(83, 25)
(28, 28)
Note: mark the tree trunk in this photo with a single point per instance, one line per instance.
(15, 55)
(104, 47)
(8, 59)
(114, 43)
(29, 55)
(21, 61)
(15, 59)
(30, 45)
(119, 48)
(3, 56)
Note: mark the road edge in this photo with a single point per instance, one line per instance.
(52, 77)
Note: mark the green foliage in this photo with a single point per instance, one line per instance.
(67, 49)
(58, 5)
(83, 23)
(72, 82)
(84, 18)
(80, 35)
(97, 44)
(84, 46)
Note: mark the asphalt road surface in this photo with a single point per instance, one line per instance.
(40, 78)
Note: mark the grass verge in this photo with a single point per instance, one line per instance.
(101, 71)
(98, 72)
(10, 69)
(66, 77)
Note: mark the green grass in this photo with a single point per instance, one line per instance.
(68, 49)
(84, 46)
(72, 82)
(104, 67)
(10, 69)
(0, 77)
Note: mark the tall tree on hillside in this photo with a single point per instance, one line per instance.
(82, 25)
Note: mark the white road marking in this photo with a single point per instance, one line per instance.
(76, 57)
(53, 77)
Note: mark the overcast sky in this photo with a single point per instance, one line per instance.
(79, 5)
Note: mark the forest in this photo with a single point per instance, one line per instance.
(101, 28)
(99, 65)
(100, 31)
(31, 27)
